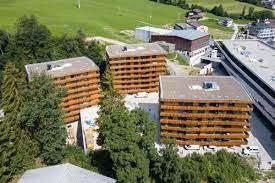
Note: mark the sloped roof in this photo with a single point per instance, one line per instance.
(64, 173)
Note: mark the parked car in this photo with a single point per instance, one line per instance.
(210, 148)
(245, 152)
(192, 147)
(253, 149)
(249, 150)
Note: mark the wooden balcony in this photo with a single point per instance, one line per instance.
(119, 81)
(68, 79)
(72, 119)
(205, 122)
(82, 89)
(139, 76)
(79, 95)
(136, 86)
(123, 61)
(82, 83)
(140, 66)
(203, 115)
(207, 108)
(80, 100)
(205, 136)
(127, 91)
(214, 142)
(139, 71)
(204, 129)
(68, 110)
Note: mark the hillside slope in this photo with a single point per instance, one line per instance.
(232, 6)
(101, 18)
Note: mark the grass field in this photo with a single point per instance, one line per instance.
(95, 17)
(232, 6)
(217, 31)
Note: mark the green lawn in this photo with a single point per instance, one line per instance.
(217, 31)
(95, 17)
(232, 6)
(175, 57)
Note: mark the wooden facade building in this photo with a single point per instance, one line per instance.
(80, 76)
(204, 111)
(137, 67)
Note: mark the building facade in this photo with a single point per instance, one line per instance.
(263, 29)
(204, 111)
(252, 63)
(227, 22)
(191, 43)
(191, 25)
(80, 76)
(136, 68)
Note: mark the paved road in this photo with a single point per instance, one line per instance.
(261, 136)
(105, 40)
(174, 69)
(235, 27)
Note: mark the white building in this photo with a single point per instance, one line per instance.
(1, 113)
(149, 102)
(88, 118)
(145, 33)
(227, 22)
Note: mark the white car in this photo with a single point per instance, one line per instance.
(210, 148)
(245, 152)
(192, 147)
(253, 149)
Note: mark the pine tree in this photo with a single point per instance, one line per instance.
(167, 166)
(42, 116)
(122, 141)
(16, 148)
(110, 99)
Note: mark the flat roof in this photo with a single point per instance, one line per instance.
(154, 30)
(189, 88)
(257, 56)
(189, 34)
(63, 67)
(117, 51)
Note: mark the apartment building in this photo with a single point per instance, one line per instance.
(204, 110)
(80, 76)
(137, 67)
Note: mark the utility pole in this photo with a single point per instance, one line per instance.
(78, 3)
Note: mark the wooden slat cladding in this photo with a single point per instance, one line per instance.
(82, 92)
(220, 123)
(138, 73)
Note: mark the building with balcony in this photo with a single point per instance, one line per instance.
(80, 76)
(204, 110)
(137, 67)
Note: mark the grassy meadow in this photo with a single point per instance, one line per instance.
(95, 17)
(232, 6)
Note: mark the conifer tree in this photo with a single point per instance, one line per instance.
(42, 116)
(16, 148)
